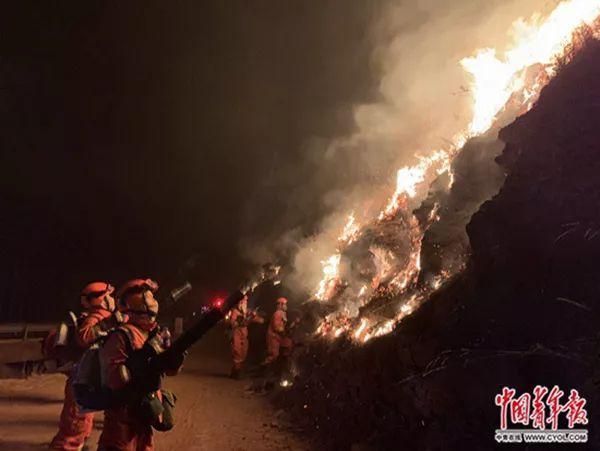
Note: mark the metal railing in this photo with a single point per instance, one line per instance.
(24, 331)
(21, 347)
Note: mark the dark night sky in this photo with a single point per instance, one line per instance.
(138, 134)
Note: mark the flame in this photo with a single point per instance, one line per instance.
(382, 329)
(496, 79)
(362, 291)
(383, 260)
(409, 178)
(331, 267)
(266, 274)
(364, 322)
(434, 213)
(351, 230)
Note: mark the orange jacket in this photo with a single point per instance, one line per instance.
(92, 326)
(278, 323)
(239, 319)
(122, 430)
(235, 318)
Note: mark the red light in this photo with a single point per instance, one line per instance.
(218, 302)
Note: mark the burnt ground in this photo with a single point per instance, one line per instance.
(213, 412)
(525, 312)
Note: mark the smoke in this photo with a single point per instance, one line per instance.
(421, 102)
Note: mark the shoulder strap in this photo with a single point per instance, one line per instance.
(73, 318)
(127, 334)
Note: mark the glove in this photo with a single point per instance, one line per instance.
(112, 322)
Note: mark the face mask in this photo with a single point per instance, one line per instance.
(109, 303)
(151, 302)
(142, 320)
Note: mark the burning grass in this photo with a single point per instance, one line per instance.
(375, 278)
(505, 320)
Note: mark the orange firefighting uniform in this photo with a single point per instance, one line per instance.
(75, 427)
(277, 340)
(238, 321)
(122, 430)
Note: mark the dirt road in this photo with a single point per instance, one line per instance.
(213, 412)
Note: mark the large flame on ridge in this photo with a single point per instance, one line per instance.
(495, 79)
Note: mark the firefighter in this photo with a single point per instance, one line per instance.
(126, 426)
(97, 318)
(239, 318)
(278, 339)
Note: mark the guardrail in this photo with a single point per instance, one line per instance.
(21, 350)
(25, 331)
